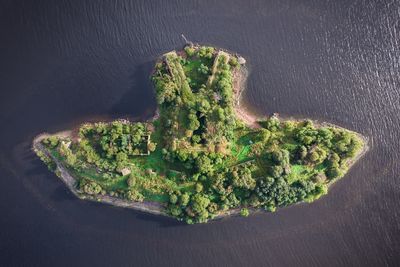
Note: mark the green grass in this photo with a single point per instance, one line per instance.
(153, 161)
(303, 172)
(118, 183)
(188, 187)
(191, 69)
(162, 198)
(299, 172)
(241, 148)
(111, 184)
(243, 153)
(291, 147)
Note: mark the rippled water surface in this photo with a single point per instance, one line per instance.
(64, 62)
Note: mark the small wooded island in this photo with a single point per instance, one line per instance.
(203, 156)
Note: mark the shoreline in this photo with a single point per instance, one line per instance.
(70, 181)
(251, 120)
(238, 87)
(239, 79)
(154, 208)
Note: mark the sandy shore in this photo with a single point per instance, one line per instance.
(239, 84)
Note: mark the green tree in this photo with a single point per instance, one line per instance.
(200, 203)
(91, 188)
(204, 164)
(121, 157)
(175, 210)
(173, 198)
(264, 135)
(199, 187)
(243, 179)
(53, 141)
(233, 61)
(184, 199)
(196, 138)
(151, 146)
(131, 181)
(333, 172)
(189, 51)
(203, 105)
(193, 122)
(244, 212)
(272, 124)
(203, 69)
(276, 171)
(134, 195)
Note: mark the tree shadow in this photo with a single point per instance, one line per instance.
(61, 192)
(162, 221)
(139, 102)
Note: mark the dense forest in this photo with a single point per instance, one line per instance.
(197, 158)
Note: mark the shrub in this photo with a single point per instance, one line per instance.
(189, 51)
(233, 61)
(51, 141)
(91, 188)
(173, 199)
(184, 199)
(175, 210)
(199, 187)
(151, 146)
(134, 195)
(131, 181)
(206, 52)
(203, 69)
(244, 212)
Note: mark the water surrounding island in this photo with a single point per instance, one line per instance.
(335, 61)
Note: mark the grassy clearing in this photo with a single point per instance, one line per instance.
(192, 70)
(299, 172)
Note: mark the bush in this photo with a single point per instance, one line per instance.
(134, 195)
(206, 52)
(196, 138)
(233, 61)
(53, 141)
(203, 69)
(184, 199)
(91, 188)
(175, 210)
(199, 187)
(173, 199)
(244, 212)
(333, 172)
(189, 51)
(272, 124)
(151, 146)
(131, 181)
(270, 207)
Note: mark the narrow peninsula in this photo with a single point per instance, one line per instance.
(202, 156)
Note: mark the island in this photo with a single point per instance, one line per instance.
(202, 156)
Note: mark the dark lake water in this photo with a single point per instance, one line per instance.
(64, 62)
